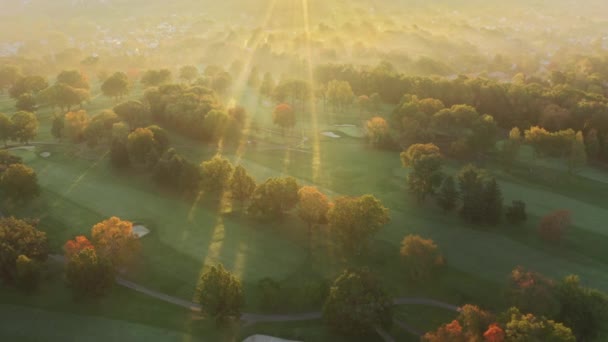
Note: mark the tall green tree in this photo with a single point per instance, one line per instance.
(134, 113)
(273, 198)
(25, 126)
(220, 293)
(242, 185)
(19, 183)
(116, 86)
(425, 161)
(216, 174)
(471, 186)
(313, 206)
(447, 196)
(73, 78)
(141, 145)
(357, 304)
(492, 202)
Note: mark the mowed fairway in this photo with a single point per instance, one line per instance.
(80, 188)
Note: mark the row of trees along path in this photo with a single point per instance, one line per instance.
(251, 318)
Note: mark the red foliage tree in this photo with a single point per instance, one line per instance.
(73, 247)
(553, 225)
(451, 332)
(494, 333)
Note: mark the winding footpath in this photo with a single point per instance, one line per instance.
(252, 318)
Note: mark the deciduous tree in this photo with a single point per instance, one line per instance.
(377, 131)
(357, 304)
(216, 174)
(116, 86)
(114, 240)
(582, 309)
(141, 145)
(18, 237)
(354, 220)
(133, 112)
(220, 293)
(19, 183)
(425, 161)
(75, 124)
(527, 327)
(313, 206)
(447, 196)
(420, 256)
(25, 126)
(274, 197)
(89, 274)
(242, 185)
(26, 102)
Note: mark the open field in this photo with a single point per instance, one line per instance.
(80, 188)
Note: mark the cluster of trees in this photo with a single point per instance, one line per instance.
(480, 195)
(582, 309)
(525, 102)
(475, 324)
(21, 127)
(566, 144)
(459, 128)
(91, 265)
(70, 89)
(195, 111)
(23, 250)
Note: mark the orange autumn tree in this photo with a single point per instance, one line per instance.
(451, 332)
(114, 239)
(494, 333)
(73, 247)
(471, 325)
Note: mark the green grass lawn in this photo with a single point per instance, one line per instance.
(79, 188)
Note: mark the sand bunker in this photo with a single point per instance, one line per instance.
(330, 134)
(140, 231)
(264, 338)
(45, 154)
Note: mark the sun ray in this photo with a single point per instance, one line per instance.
(316, 145)
(240, 85)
